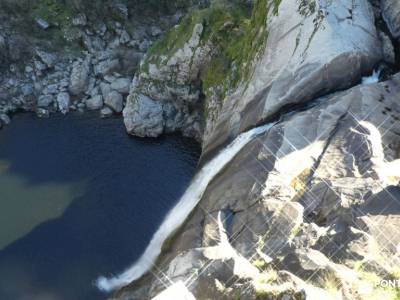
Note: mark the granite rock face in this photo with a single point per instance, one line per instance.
(294, 69)
(391, 14)
(115, 101)
(308, 209)
(172, 84)
(64, 102)
(79, 77)
(144, 117)
(301, 208)
(315, 198)
(95, 102)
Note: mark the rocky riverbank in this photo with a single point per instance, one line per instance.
(73, 58)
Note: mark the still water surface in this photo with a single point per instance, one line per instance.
(79, 198)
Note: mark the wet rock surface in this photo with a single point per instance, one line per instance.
(391, 14)
(329, 216)
(303, 206)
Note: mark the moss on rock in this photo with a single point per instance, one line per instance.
(236, 35)
(53, 12)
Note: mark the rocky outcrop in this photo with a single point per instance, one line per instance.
(312, 197)
(74, 48)
(299, 212)
(391, 14)
(168, 89)
(293, 69)
(288, 69)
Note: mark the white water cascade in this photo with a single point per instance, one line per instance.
(180, 212)
(373, 78)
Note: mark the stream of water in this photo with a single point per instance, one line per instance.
(177, 216)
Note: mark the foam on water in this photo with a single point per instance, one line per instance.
(374, 78)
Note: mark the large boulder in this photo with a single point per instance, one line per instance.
(173, 84)
(115, 101)
(105, 89)
(121, 85)
(49, 59)
(64, 102)
(380, 217)
(144, 116)
(94, 103)
(283, 66)
(391, 14)
(79, 78)
(45, 101)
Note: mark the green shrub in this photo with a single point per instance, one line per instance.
(237, 33)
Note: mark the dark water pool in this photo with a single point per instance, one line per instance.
(79, 198)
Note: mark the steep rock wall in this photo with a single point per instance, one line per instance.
(300, 211)
(391, 14)
(293, 52)
(306, 204)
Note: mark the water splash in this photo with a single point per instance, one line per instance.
(176, 291)
(373, 78)
(180, 212)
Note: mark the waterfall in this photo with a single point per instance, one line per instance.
(180, 212)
